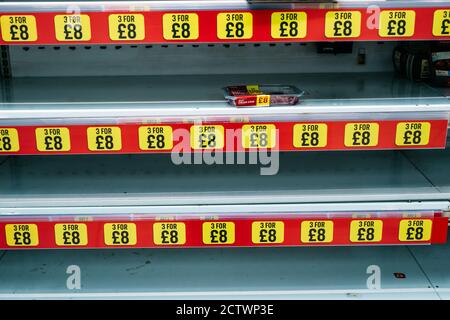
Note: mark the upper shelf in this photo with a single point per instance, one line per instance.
(221, 21)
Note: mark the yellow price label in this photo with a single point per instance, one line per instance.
(9, 140)
(235, 25)
(218, 232)
(53, 139)
(207, 137)
(21, 235)
(126, 27)
(288, 25)
(366, 230)
(310, 135)
(169, 233)
(104, 138)
(441, 23)
(267, 232)
(120, 234)
(259, 136)
(361, 134)
(263, 100)
(155, 138)
(71, 234)
(342, 24)
(18, 28)
(73, 27)
(412, 133)
(415, 230)
(180, 26)
(397, 23)
(317, 231)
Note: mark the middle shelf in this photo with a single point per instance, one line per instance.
(353, 111)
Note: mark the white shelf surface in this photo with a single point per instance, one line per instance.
(239, 273)
(153, 184)
(329, 96)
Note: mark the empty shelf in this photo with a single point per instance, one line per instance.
(124, 180)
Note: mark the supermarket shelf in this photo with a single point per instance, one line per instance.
(288, 273)
(139, 180)
(141, 193)
(258, 24)
(177, 105)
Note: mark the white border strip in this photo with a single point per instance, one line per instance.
(196, 109)
(216, 293)
(48, 6)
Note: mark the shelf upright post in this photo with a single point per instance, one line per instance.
(5, 74)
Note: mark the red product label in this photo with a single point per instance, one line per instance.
(246, 101)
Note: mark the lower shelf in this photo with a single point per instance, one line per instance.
(145, 198)
(259, 273)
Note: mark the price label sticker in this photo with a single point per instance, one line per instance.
(21, 235)
(342, 24)
(71, 234)
(361, 134)
(52, 139)
(310, 135)
(104, 138)
(120, 234)
(412, 134)
(288, 25)
(263, 100)
(317, 231)
(169, 233)
(9, 140)
(415, 230)
(267, 232)
(218, 232)
(73, 27)
(207, 137)
(126, 27)
(397, 23)
(253, 89)
(18, 28)
(259, 136)
(180, 26)
(155, 138)
(366, 230)
(235, 25)
(441, 23)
